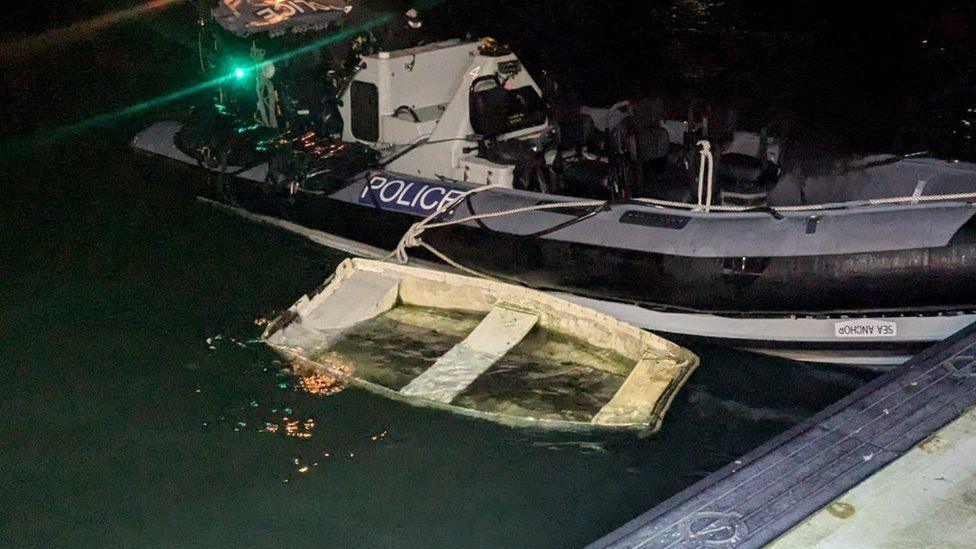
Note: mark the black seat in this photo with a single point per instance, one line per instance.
(739, 169)
(745, 180)
(652, 140)
(575, 128)
(653, 143)
(495, 111)
(488, 106)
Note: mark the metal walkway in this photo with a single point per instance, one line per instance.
(763, 495)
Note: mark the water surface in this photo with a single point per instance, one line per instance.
(123, 425)
(137, 410)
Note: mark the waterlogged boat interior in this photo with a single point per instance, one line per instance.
(482, 349)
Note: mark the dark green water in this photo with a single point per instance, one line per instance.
(121, 426)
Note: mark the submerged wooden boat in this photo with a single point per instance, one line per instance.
(482, 349)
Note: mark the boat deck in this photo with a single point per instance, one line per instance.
(767, 493)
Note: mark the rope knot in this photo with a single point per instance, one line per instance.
(410, 239)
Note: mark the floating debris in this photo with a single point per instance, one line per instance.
(260, 321)
(321, 384)
(326, 376)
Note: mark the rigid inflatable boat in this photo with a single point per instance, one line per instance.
(688, 229)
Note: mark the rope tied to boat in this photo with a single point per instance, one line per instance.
(412, 237)
(967, 197)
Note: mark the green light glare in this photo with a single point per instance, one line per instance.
(116, 116)
(110, 117)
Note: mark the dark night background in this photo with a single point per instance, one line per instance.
(869, 76)
(121, 426)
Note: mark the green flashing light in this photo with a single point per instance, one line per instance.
(239, 73)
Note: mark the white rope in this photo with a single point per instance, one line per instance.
(705, 159)
(817, 207)
(523, 209)
(443, 257)
(411, 239)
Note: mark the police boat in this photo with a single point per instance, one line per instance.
(690, 229)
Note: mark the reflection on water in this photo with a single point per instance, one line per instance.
(296, 420)
(712, 405)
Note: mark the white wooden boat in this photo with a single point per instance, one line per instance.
(483, 349)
